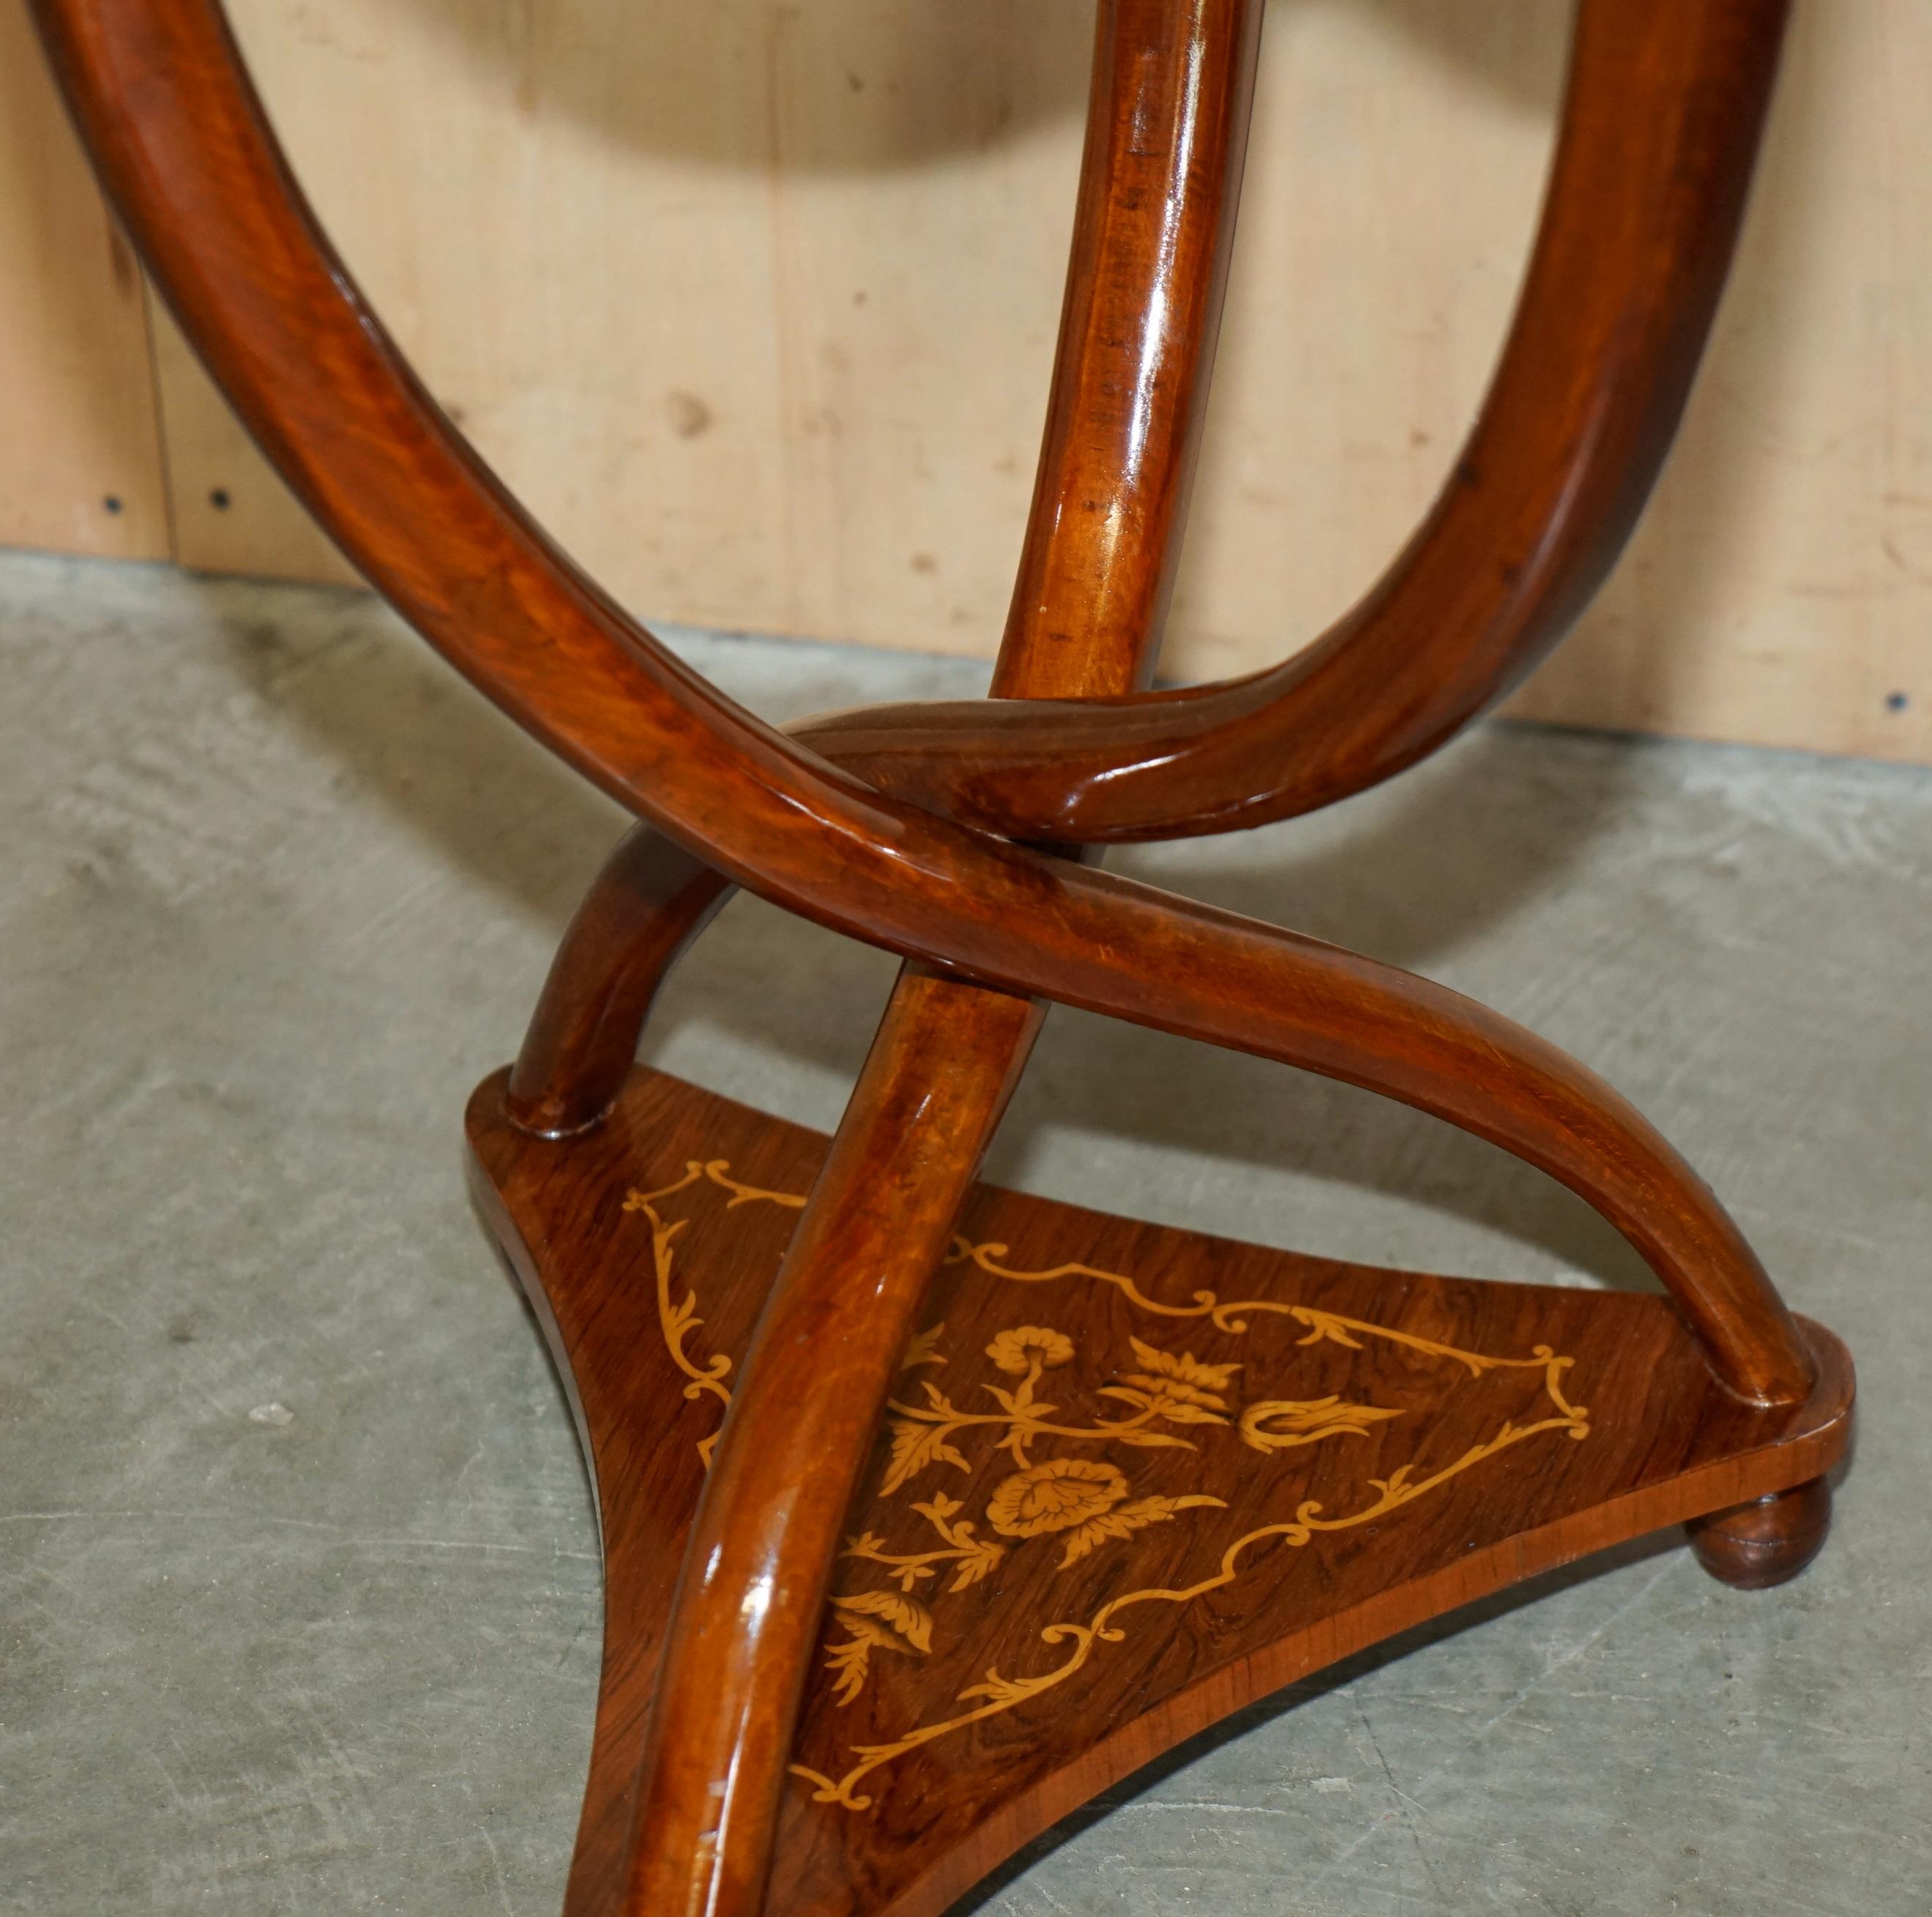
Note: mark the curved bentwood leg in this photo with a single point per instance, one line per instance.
(744, 1621)
(1167, 129)
(1661, 128)
(915, 1779)
(651, 899)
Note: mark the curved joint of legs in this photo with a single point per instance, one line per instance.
(1335, 1013)
(1666, 103)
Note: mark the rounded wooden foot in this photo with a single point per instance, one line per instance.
(1769, 1541)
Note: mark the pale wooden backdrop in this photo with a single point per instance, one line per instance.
(754, 302)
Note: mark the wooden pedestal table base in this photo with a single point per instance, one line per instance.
(1131, 1478)
(1126, 1479)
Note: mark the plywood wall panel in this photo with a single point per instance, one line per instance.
(1780, 589)
(754, 302)
(80, 464)
(1396, 167)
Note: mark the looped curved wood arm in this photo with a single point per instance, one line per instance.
(162, 100)
(1660, 134)
(1166, 143)
(163, 103)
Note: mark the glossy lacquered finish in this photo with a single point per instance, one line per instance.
(1160, 182)
(950, 835)
(181, 144)
(163, 102)
(1305, 1003)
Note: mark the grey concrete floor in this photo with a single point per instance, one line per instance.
(298, 1580)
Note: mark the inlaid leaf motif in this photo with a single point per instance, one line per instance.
(1184, 1368)
(1395, 1488)
(914, 1446)
(1125, 1521)
(924, 1349)
(1006, 1691)
(851, 1662)
(1020, 1404)
(982, 1555)
(973, 1556)
(906, 1615)
(873, 1620)
(1278, 1424)
(923, 1439)
(1168, 1398)
(1323, 1326)
(1174, 1386)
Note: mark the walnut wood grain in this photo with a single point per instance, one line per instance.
(1664, 1444)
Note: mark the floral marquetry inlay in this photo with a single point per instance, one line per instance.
(1041, 1439)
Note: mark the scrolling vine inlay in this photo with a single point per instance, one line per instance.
(1055, 1480)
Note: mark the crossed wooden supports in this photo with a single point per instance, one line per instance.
(952, 834)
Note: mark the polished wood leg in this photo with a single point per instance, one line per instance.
(651, 900)
(744, 1617)
(1173, 86)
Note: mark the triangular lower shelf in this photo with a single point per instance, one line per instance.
(1305, 1457)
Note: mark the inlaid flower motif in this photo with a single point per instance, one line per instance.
(1017, 1351)
(1054, 1496)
